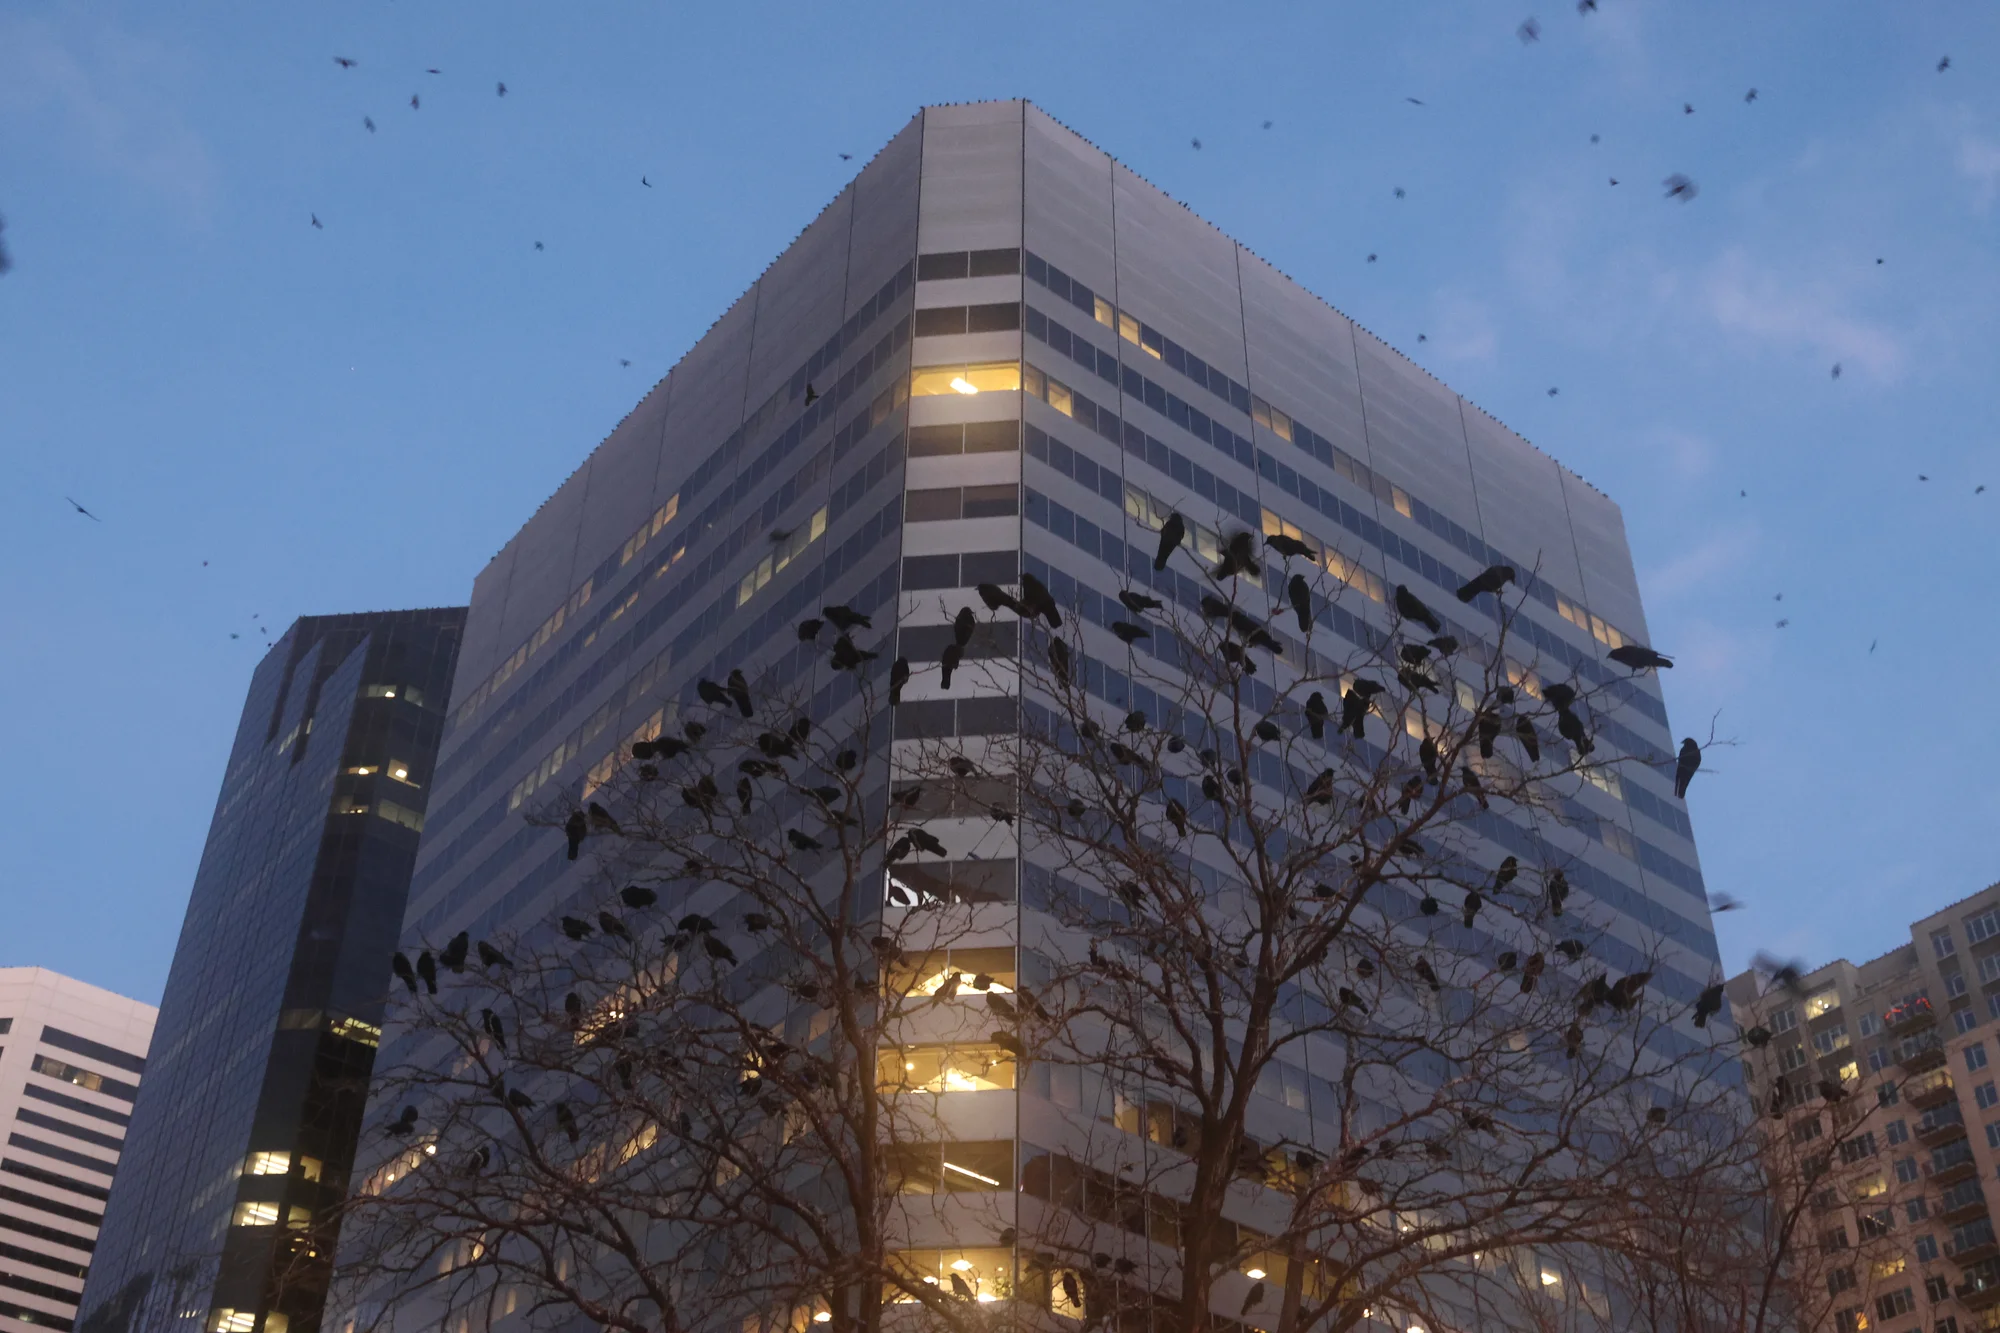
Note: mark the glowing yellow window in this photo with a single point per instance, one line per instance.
(268, 1164)
(991, 377)
(255, 1213)
(310, 1167)
(979, 973)
(232, 1321)
(1822, 1002)
(1106, 315)
(946, 1069)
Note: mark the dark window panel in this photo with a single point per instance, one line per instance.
(992, 437)
(992, 318)
(930, 571)
(930, 441)
(931, 506)
(992, 501)
(994, 263)
(932, 268)
(941, 321)
(991, 567)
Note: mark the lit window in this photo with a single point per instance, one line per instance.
(232, 1321)
(400, 771)
(82, 1078)
(1128, 328)
(255, 1213)
(1104, 312)
(946, 1069)
(276, 1322)
(1823, 1002)
(268, 1164)
(991, 377)
(310, 1167)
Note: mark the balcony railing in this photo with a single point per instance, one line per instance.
(1950, 1173)
(1922, 1055)
(1910, 1017)
(1978, 1294)
(1931, 1090)
(1973, 1251)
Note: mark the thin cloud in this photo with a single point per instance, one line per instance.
(1465, 330)
(109, 96)
(1756, 305)
(1723, 553)
(1979, 163)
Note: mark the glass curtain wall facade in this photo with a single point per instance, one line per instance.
(1018, 351)
(273, 1007)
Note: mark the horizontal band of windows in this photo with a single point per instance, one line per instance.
(968, 570)
(8, 1194)
(55, 1179)
(103, 1113)
(48, 1291)
(947, 264)
(944, 321)
(973, 437)
(56, 1153)
(950, 502)
(14, 1222)
(96, 1050)
(990, 638)
(27, 1116)
(1113, 686)
(727, 456)
(913, 884)
(39, 1318)
(949, 1168)
(965, 379)
(87, 1079)
(36, 1259)
(1138, 387)
(932, 719)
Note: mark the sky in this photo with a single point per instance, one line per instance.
(270, 420)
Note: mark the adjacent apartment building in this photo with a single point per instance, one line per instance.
(999, 351)
(273, 1007)
(71, 1059)
(1898, 1235)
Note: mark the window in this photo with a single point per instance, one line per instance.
(1857, 1148)
(978, 437)
(1784, 1020)
(1833, 1240)
(1898, 1302)
(1833, 1039)
(1941, 944)
(1805, 1131)
(1989, 967)
(1986, 1095)
(1875, 1224)
(1869, 1025)
(1948, 1324)
(232, 1321)
(1888, 1094)
(940, 321)
(1906, 1170)
(1790, 1058)
(967, 264)
(1964, 1020)
(1983, 927)
(1878, 1060)
(256, 1213)
(1916, 1210)
(1993, 1135)
(952, 1168)
(1927, 1250)
(88, 1080)
(1839, 1280)
(1954, 984)
(268, 1164)
(946, 1069)
(1823, 1002)
(1896, 1132)
(979, 973)
(1871, 1187)
(6, 1026)
(788, 548)
(965, 380)
(1887, 1268)
(1993, 1005)
(1937, 1288)
(1975, 1056)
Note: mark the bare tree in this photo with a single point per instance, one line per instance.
(1305, 1042)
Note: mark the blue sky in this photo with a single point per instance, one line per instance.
(358, 417)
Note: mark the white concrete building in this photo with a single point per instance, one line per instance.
(71, 1056)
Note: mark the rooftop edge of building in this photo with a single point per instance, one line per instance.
(1095, 147)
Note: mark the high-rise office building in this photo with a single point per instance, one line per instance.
(1000, 351)
(71, 1057)
(273, 1007)
(1898, 1226)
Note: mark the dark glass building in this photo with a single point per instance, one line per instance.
(999, 351)
(273, 1009)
